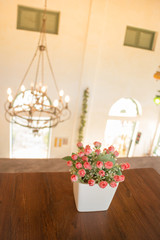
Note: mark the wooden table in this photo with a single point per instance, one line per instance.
(40, 206)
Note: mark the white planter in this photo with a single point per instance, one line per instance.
(92, 198)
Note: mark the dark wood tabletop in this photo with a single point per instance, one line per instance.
(40, 206)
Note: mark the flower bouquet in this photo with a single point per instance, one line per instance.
(96, 166)
(91, 171)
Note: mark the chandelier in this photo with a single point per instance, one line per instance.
(157, 77)
(32, 107)
(157, 99)
(157, 74)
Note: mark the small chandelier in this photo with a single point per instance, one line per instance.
(157, 77)
(32, 107)
(157, 74)
(157, 99)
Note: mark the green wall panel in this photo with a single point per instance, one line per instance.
(31, 19)
(139, 38)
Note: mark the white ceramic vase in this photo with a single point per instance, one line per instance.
(92, 198)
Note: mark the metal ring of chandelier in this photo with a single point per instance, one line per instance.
(37, 113)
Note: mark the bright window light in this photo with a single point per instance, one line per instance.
(119, 134)
(125, 107)
(27, 144)
(119, 131)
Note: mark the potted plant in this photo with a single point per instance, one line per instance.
(95, 175)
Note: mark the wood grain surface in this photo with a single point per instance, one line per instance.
(40, 206)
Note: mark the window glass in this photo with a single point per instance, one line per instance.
(121, 132)
(124, 107)
(25, 143)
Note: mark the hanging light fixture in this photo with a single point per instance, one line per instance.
(157, 77)
(157, 99)
(32, 107)
(157, 74)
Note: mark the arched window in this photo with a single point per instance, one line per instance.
(26, 142)
(125, 107)
(122, 125)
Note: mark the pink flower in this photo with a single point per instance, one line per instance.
(85, 158)
(78, 165)
(108, 165)
(91, 182)
(87, 146)
(99, 164)
(81, 154)
(87, 151)
(101, 173)
(82, 172)
(74, 178)
(116, 154)
(87, 165)
(118, 178)
(125, 166)
(106, 150)
(97, 151)
(103, 184)
(113, 184)
(80, 145)
(74, 157)
(122, 178)
(69, 163)
(111, 148)
(97, 144)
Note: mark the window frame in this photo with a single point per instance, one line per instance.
(138, 31)
(38, 21)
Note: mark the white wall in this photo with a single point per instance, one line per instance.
(125, 71)
(88, 52)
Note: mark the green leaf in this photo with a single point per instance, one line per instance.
(67, 158)
(119, 172)
(105, 158)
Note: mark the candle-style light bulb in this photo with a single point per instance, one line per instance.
(55, 104)
(43, 89)
(61, 93)
(9, 91)
(10, 98)
(67, 99)
(23, 88)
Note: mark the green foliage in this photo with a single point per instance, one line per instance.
(105, 158)
(119, 172)
(67, 158)
(83, 115)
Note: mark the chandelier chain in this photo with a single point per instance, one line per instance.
(45, 5)
(42, 79)
(51, 69)
(25, 75)
(37, 70)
